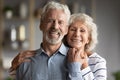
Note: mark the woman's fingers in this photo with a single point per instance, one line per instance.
(85, 61)
(27, 54)
(74, 55)
(22, 57)
(78, 55)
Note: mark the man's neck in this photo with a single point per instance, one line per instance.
(50, 49)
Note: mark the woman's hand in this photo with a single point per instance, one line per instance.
(20, 58)
(78, 55)
(75, 55)
(85, 61)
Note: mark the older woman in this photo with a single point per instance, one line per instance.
(82, 39)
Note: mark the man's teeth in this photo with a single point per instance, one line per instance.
(54, 33)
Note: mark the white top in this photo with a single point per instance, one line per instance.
(97, 69)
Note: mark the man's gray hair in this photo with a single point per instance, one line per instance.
(88, 21)
(55, 5)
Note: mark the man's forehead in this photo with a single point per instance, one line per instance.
(56, 14)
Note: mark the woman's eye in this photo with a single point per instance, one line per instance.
(73, 29)
(82, 30)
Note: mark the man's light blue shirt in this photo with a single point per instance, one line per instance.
(55, 67)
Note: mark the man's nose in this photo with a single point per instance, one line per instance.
(55, 25)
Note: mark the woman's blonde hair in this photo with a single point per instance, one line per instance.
(88, 21)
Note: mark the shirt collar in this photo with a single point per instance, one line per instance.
(62, 50)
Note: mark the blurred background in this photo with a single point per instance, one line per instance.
(19, 29)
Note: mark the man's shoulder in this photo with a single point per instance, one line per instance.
(63, 49)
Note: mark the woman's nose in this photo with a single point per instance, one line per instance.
(77, 33)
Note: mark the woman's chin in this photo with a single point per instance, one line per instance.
(75, 46)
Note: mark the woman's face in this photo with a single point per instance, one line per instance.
(78, 34)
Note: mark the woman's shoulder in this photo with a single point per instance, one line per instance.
(96, 57)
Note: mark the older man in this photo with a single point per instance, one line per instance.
(49, 62)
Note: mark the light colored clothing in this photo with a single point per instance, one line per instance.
(97, 68)
(43, 67)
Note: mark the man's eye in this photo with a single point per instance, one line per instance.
(60, 22)
(50, 20)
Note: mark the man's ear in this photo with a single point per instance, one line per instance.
(41, 26)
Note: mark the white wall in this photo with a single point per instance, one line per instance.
(107, 18)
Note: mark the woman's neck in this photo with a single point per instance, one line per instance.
(89, 53)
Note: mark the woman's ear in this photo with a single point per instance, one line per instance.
(89, 39)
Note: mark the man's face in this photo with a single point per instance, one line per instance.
(54, 26)
(78, 34)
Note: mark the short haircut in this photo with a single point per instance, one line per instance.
(56, 5)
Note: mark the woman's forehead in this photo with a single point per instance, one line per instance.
(78, 24)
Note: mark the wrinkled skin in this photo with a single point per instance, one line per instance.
(20, 58)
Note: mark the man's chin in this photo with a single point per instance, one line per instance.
(54, 41)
